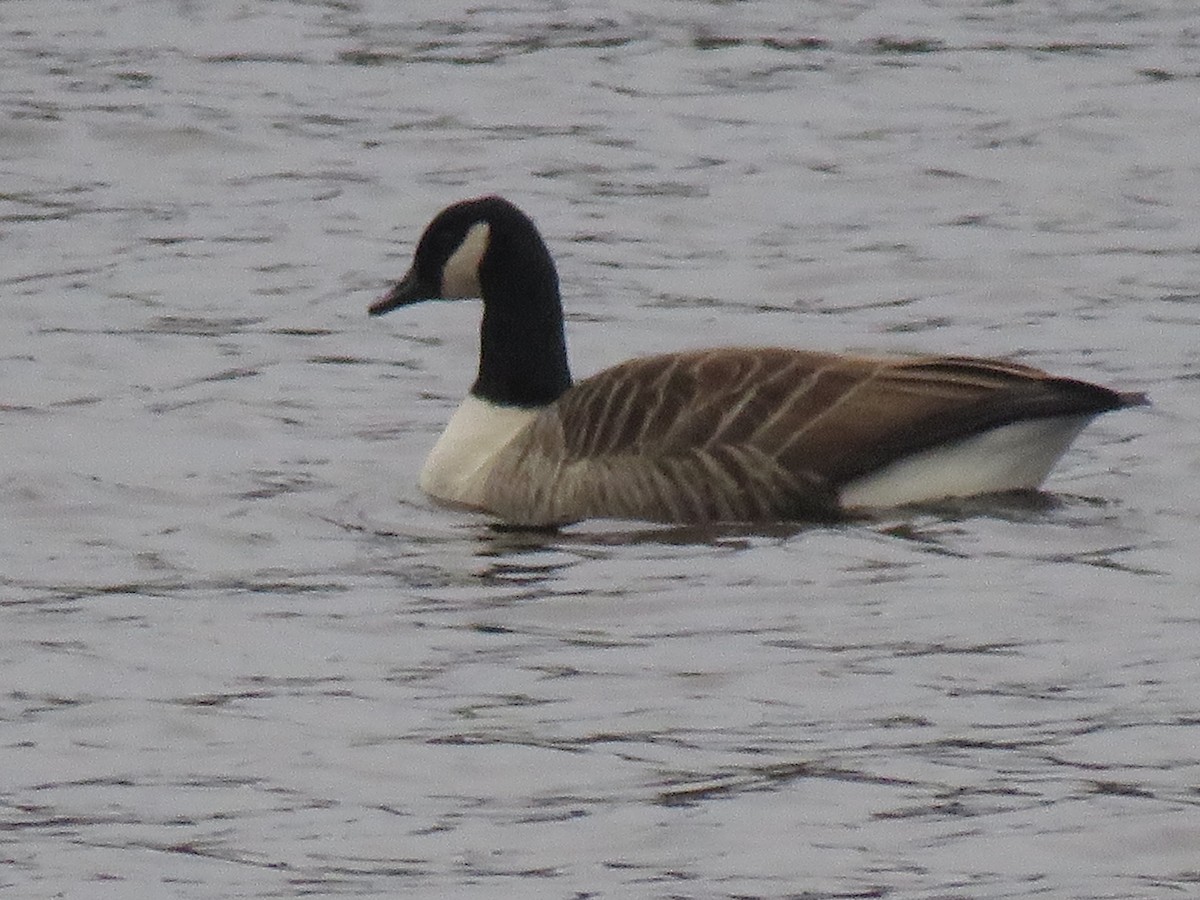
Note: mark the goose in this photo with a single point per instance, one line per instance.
(730, 434)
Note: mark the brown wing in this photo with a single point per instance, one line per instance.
(754, 434)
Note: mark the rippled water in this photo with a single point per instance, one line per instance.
(242, 656)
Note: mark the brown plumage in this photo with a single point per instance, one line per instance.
(756, 434)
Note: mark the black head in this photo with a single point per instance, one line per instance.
(488, 248)
(451, 256)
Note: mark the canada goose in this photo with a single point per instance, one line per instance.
(739, 434)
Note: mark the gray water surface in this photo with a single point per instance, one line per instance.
(242, 656)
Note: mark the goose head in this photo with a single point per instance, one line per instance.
(478, 248)
(487, 248)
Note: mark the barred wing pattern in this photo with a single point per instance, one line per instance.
(750, 434)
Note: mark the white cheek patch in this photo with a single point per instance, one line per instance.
(460, 275)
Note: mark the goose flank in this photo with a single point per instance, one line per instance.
(732, 434)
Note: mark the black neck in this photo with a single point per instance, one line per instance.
(522, 346)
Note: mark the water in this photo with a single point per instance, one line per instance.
(242, 656)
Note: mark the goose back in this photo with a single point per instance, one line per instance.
(755, 434)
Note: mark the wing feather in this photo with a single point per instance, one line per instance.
(753, 434)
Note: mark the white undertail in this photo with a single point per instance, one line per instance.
(1008, 458)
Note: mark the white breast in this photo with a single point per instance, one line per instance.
(458, 464)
